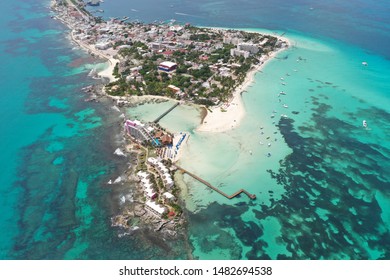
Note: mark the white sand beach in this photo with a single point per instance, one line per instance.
(228, 116)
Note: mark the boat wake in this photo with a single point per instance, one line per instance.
(184, 14)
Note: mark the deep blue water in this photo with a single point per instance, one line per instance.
(358, 22)
(56, 150)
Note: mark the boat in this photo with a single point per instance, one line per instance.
(269, 154)
(365, 124)
(93, 73)
(93, 3)
(282, 93)
(364, 63)
(285, 106)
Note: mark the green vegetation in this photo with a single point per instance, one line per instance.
(206, 71)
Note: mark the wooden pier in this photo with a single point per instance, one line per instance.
(166, 112)
(251, 196)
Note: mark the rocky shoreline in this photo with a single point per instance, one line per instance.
(133, 218)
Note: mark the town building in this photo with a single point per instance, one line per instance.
(103, 45)
(167, 66)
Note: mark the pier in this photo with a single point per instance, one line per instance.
(166, 112)
(251, 196)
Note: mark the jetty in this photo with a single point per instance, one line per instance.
(251, 196)
(166, 112)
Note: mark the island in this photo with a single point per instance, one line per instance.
(206, 67)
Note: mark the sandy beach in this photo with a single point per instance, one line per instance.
(107, 72)
(229, 115)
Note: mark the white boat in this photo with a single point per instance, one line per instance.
(283, 93)
(364, 63)
(93, 73)
(285, 106)
(365, 125)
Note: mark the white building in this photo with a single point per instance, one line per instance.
(249, 47)
(231, 40)
(143, 175)
(155, 208)
(139, 131)
(149, 192)
(103, 45)
(237, 52)
(152, 161)
(168, 197)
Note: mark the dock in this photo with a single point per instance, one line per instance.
(251, 196)
(166, 112)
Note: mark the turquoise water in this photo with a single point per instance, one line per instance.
(323, 161)
(57, 150)
(323, 193)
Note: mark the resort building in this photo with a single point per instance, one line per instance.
(143, 175)
(163, 172)
(155, 208)
(149, 191)
(231, 40)
(139, 131)
(252, 48)
(168, 197)
(167, 66)
(237, 52)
